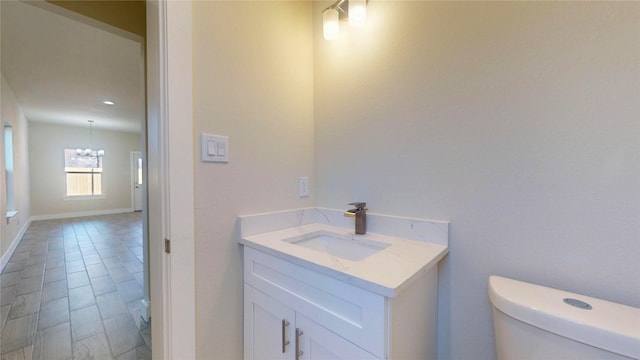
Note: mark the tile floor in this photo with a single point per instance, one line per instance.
(72, 290)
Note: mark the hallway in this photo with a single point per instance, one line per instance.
(73, 289)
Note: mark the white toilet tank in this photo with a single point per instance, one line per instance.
(536, 322)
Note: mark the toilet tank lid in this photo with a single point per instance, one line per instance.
(608, 326)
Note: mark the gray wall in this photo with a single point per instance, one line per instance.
(12, 114)
(253, 81)
(517, 122)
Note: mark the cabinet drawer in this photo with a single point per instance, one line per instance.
(349, 311)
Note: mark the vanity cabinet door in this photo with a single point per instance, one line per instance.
(269, 327)
(319, 343)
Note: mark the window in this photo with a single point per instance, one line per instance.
(139, 180)
(83, 173)
(8, 163)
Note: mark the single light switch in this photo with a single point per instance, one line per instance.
(211, 148)
(221, 149)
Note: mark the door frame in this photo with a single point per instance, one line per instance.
(170, 174)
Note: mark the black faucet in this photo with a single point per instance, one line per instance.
(360, 213)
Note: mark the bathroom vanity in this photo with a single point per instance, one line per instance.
(315, 290)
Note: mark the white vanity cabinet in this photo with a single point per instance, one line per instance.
(289, 306)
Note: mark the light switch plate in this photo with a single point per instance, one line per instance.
(303, 186)
(214, 148)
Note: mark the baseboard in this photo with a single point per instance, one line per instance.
(79, 214)
(4, 260)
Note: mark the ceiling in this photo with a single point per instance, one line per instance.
(61, 68)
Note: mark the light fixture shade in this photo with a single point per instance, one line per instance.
(357, 13)
(330, 24)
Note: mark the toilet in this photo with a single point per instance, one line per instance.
(536, 322)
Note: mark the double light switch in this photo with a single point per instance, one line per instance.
(214, 148)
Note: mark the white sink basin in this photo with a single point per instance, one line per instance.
(349, 247)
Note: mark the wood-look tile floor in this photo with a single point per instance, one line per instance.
(73, 290)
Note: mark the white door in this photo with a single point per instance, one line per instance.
(136, 166)
(268, 327)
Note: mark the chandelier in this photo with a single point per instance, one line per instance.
(88, 151)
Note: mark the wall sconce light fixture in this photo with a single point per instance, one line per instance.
(330, 23)
(353, 10)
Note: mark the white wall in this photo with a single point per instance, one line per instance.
(46, 161)
(11, 113)
(518, 122)
(253, 81)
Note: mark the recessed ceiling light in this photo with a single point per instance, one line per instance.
(108, 102)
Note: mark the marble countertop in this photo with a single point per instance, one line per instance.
(386, 272)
